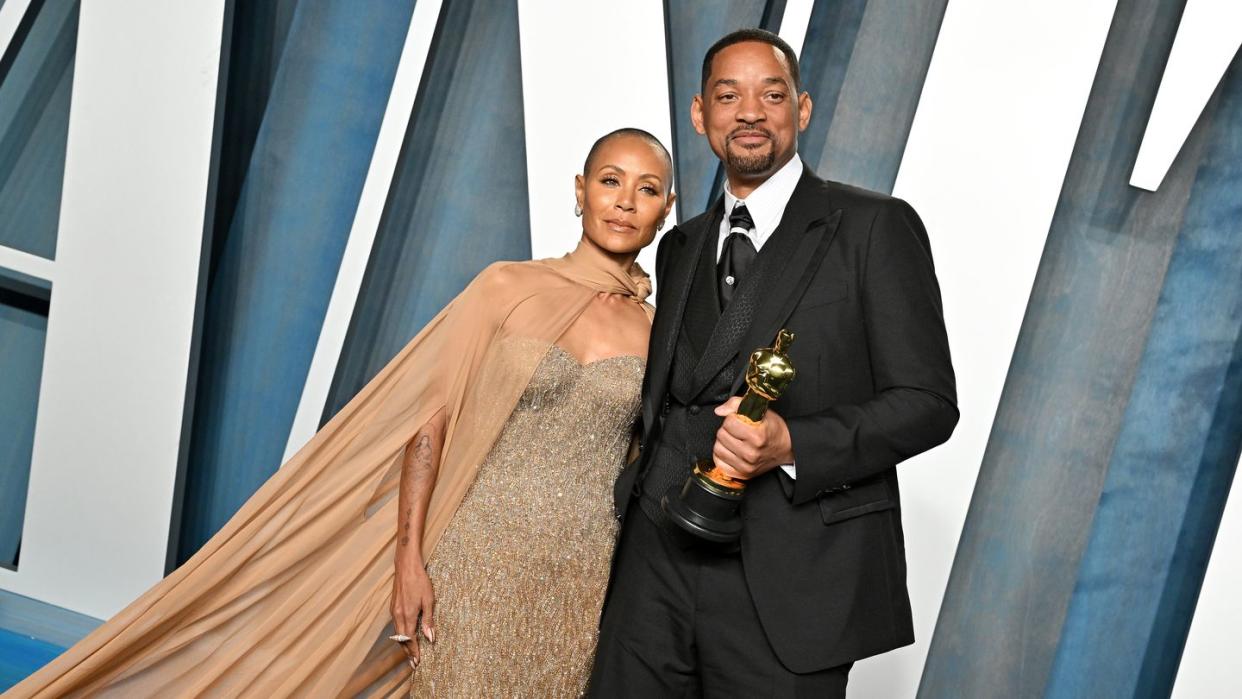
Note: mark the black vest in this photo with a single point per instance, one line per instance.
(690, 425)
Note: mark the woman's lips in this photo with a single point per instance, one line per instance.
(620, 226)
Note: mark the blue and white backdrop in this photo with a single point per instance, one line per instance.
(219, 219)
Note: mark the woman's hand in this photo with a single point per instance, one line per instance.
(412, 598)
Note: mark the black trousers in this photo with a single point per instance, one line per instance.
(680, 622)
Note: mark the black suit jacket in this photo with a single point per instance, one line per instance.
(824, 554)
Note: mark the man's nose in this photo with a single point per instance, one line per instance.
(750, 110)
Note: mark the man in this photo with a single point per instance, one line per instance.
(818, 579)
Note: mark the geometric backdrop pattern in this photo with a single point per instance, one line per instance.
(1118, 431)
(1117, 434)
(36, 75)
(458, 199)
(274, 271)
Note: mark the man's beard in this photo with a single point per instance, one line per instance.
(751, 162)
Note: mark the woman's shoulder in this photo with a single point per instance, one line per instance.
(509, 279)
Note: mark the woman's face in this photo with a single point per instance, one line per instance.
(625, 195)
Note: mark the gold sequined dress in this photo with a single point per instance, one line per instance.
(520, 573)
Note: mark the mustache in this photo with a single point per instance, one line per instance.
(749, 131)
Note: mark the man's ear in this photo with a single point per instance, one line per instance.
(804, 111)
(696, 114)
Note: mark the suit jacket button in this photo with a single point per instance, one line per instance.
(693, 410)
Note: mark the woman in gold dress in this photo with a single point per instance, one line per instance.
(519, 574)
(486, 449)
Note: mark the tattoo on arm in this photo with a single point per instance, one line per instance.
(420, 473)
(422, 454)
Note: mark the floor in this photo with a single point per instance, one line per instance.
(34, 632)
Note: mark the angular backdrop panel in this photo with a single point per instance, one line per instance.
(1116, 436)
(275, 269)
(459, 199)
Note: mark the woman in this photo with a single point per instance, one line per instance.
(525, 386)
(523, 565)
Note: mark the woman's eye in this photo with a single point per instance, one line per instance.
(609, 181)
(649, 189)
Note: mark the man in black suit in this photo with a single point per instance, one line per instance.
(818, 580)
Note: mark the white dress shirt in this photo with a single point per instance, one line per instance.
(766, 206)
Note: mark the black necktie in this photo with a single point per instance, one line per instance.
(737, 254)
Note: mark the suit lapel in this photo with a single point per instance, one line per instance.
(787, 290)
(675, 289)
(779, 275)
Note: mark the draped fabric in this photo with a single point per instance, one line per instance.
(291, 597)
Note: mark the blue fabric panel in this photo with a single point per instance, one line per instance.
(267, 296)
(23, 329)
(34, 125)
(259, 31)
(864, 92)
(459, 198)
(1176, 453)
(1070, 379)
(830, 37)
(690, 28)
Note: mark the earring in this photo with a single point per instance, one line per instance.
(577, 209)
(660, 224)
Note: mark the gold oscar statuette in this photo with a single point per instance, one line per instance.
(707, 504)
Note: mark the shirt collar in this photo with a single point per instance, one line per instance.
(767, 203)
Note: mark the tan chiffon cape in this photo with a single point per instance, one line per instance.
(292, 596)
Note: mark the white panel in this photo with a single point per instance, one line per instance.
(1207, 39)
(121, 315)
(575, 89)
(794, 23)
(11, 14)
(1209, 662)
(366, 223)
(26, 263)
(987, 154)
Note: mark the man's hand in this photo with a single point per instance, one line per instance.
(744, 450)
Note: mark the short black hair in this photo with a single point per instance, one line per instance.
(742, 35)
(629, 131)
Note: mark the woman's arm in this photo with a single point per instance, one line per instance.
(412, 594)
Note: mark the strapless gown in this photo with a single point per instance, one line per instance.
(520, 572)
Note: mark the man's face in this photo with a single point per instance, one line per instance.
(750, 111)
